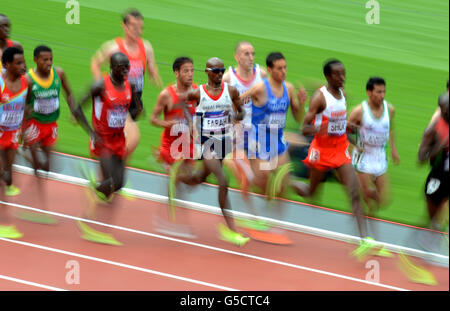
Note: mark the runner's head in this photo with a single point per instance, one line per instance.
(183, 67)
(133, 24)
(43, 57)
(276, 66)
(13, 61)
(244, 54)
(5, 27)
(334, 72)
(376, 90)
(215, 69)
(443, 104)
(120, 65)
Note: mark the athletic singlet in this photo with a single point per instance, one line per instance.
(176, 113)
(138, 63)
(110, 109)
(214, 113)
(442, 129)
(333, 120)
(269, 122)
(44, 99)
(9, 44)
(242, 87)
(12, 105)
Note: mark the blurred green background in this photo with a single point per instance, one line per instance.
(409, 48)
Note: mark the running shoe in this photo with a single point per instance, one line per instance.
(365, 247)
(383, 252)
(95, 236)
(256, 224)
(273, 236)
(39, 218)
(10, 232)
(414, 272)
(12, 191)
(228, 235)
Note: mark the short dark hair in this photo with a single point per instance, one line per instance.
(41, 48)
(273, 57)
(9, 53)
(374, 81)
(328, 64)
(131, 12)
(180, 61)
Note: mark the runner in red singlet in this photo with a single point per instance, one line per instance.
(13, 94)
(111, 102)
(141, 56)
(5, 42)
(326, 119)
(176, 149)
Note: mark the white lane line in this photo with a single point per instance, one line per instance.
(210, 247)
(8, 278)
(118, 264)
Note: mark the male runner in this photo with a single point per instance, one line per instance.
(434, 147)
(326, 119)
(375, 122)
(176, 149)
(111, 102)
(13, 93)
(271, 99)
(141, 56)
(5, 42)
(215, 103)
(243, 77)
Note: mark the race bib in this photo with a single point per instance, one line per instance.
(278, 119)
(217, 122)
(46, 105)
(11, 119)
(116, 119)
(337, 127)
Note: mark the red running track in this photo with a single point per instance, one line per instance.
(150, 261)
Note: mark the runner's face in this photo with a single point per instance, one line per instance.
(278, 70)
(44, 62)
(215, 77)
(185, 74)
(337, 75)
(120, 70)
(245, 56)
(378, 93)
(133, 28)
(5, 27)
(17, 67)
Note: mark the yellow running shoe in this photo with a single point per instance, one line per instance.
(12, 191)
(228, 235)
(365, 247)
(93, 235)
(10, 232)
(414, 272)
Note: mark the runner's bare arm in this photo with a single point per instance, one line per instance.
(435, 116)
(96, 89)
(394, 153)
(429, 145)
(353, 124)
(237, 103)
(316, 106)
(152, 66)
(27, 111)
(161, 103)
(102, 57)
(67, 90)
(297, 102)
(257, 93)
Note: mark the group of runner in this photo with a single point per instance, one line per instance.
(236, 119)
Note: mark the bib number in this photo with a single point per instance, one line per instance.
(337, 127)
(116, 119)
(46, 106)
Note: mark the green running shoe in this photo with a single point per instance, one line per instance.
(230, 236)
(95, 236)
(39, 218)
(12, 191)
(257, 224)
(10, 232)
(383, 252)
(365, 246)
